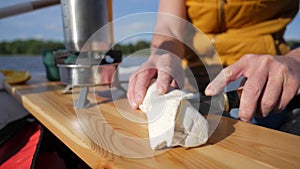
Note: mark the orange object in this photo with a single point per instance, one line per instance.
(15, 76)
(239, 27)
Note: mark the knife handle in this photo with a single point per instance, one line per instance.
(232, 99)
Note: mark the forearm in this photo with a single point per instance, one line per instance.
(169, 44)
(169, 30)
(295, 54)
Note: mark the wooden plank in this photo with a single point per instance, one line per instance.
(87, 133)
(262, 144)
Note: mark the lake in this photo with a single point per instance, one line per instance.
(34, 64)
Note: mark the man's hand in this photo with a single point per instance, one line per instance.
(107, 73)
(167, 70)
(272, 81)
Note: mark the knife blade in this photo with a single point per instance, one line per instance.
(223, 102)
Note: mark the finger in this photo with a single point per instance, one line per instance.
(138, 85)
(107, 74)
(226, 76)
(130, 93)
(174, 84)
(163, 82)
(290, 89)
(251, 93)
(270, 95)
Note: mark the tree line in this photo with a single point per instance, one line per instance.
(35, 47)
(293, 44)
(27, 47)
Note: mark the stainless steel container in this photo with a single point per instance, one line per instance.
(80, 75)
(82, 18)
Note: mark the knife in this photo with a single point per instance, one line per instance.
(223, 102)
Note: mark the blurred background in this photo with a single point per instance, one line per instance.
(28, 33)
(23, 37)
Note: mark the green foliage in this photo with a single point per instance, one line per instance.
(27, 47)
(35, 47)
(293, 44)
(131, 48)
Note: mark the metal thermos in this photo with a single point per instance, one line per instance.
(81, 19)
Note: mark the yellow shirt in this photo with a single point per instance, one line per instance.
(238, 27)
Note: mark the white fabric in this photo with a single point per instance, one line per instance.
(172, 120)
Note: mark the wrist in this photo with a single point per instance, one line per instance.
(162, 44)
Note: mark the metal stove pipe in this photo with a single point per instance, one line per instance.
(81, 19)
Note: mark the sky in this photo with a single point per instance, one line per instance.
(46, 23)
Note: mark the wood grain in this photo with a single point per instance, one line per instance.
(94, 133)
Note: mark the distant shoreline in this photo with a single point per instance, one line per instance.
(36, 47)
(21, 55)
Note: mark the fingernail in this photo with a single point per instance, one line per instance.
(134, 105)
(209, 90)
(245, 116)
(243, 119)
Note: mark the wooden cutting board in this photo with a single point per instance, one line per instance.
(110, 134)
